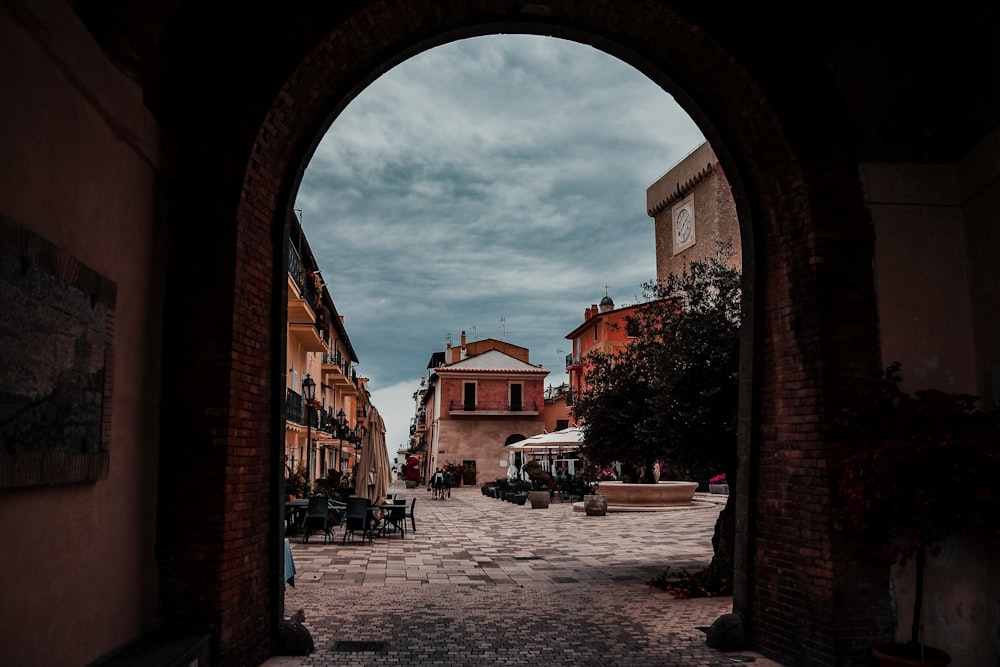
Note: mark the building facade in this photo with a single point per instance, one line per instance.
(558, 407)
(603, 330)
(692, 209)
(479, 397)
(322, 435)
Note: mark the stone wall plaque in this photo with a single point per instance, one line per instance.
(56, 363)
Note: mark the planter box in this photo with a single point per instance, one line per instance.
(722, 489)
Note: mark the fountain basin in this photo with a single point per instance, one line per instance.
(661, 494)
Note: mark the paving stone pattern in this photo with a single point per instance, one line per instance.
(484, 581)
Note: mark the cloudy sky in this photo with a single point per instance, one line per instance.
(494, 186)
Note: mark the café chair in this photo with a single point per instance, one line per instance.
(317, 517)
(409, 515)
(357, 519)
(396, 518)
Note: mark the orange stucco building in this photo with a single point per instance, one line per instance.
(558, 407)
(603, 330)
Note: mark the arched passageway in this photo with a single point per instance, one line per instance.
(176, 132)
(807, 243)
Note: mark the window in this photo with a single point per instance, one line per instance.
(469, 396)
(561, 424)
(516, 392)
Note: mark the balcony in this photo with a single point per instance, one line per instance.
(326, 422)
(295, 411)
(302, 320)
(333, 372)
(573, 361)
(492, 408)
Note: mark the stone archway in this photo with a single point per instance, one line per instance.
(810, 322)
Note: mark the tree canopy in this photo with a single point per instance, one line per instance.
(670, 394)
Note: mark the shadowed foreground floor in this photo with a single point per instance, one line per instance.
(484, 581)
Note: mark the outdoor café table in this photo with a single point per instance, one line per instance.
(294, 509)
(387, 509)
(375, 520)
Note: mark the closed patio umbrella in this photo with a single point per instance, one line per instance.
(373, 476)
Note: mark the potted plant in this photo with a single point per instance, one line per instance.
(912, 471)
(594, 503)
(411, 471)
(719, 484)
(295, 483)
(540, 494)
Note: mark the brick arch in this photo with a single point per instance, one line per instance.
(811, 327)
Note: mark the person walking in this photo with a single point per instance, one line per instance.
(449, 479)
(437, 484)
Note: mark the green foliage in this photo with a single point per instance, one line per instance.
(541, 480)
(295, 483)
(672, 392)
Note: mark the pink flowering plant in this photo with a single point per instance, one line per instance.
(602, 474)
(912, 470)
(593, 475)
(718, 479)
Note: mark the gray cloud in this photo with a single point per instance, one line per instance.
(493, 185)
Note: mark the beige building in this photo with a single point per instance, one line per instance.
(323, 435)
(692, 207)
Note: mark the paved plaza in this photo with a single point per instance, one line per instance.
(483, 581)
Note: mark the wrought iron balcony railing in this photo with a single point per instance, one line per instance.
(493, 406)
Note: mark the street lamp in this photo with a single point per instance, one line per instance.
(356, 441)
(341, 426)
(308, 395)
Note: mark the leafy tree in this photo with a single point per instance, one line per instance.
(672, 394)
(617, 402)
(689, 334)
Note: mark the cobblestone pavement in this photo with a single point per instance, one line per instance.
(483, 581)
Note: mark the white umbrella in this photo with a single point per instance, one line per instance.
(373, 476)
(565, 441)
(568, 437)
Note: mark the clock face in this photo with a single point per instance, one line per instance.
(684, 226)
